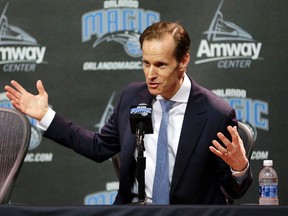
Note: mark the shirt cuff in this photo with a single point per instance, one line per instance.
(46, 120)
(240, 176)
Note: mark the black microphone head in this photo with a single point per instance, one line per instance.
(140, 117)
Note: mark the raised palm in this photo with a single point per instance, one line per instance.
(34, 106)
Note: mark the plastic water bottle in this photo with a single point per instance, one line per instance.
(268, 185)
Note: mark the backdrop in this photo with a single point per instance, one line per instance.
(86, 52)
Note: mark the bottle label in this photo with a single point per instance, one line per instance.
(269, 191)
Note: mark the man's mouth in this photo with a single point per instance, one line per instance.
(153, 85)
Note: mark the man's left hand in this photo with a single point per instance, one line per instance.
(233, 152)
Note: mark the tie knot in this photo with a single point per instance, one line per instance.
(166, 105)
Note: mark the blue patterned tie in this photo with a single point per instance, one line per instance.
(161, 179)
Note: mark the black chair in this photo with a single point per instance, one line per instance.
(15, 133)
(248, 137)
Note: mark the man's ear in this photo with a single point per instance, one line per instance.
(184, 62)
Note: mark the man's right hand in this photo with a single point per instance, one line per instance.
(35, 106)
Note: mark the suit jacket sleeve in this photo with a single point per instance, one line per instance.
(96, 146)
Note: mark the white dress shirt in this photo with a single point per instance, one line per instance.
(176, 116)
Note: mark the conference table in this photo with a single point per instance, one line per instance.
(150, 210)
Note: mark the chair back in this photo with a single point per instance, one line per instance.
(15, 131)
(247, 135)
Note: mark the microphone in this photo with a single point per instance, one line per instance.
(140, 119)
(141, 124)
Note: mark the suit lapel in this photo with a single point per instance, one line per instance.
(193, 123)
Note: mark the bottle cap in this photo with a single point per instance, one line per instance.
(268, 162)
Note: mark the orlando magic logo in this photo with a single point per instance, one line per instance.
(142, 110)
(121, 22)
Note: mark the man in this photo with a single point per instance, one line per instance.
(198, 170)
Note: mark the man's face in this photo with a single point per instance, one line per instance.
(163, 74)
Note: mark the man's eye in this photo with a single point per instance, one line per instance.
(145, 63)
(162, 66)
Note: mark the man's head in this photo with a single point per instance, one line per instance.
(159, 30)
(165, 48)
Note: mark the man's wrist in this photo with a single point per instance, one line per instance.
(45, 122)
(239, 173)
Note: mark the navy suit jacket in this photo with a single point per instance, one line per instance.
(197, 174)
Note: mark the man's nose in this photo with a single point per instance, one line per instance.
(152, 71)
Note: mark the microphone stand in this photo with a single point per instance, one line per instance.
(141, 163)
